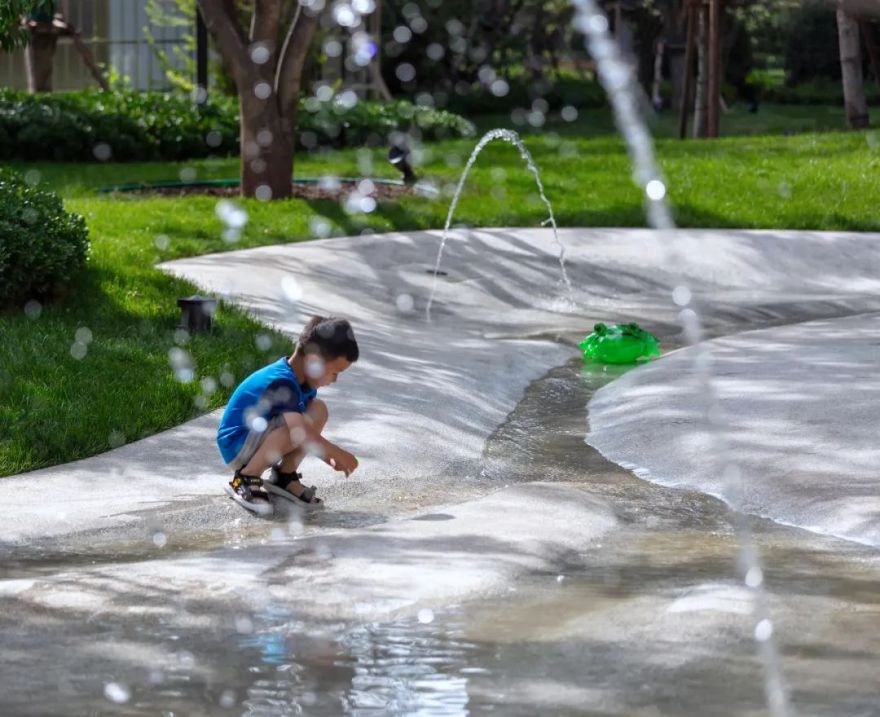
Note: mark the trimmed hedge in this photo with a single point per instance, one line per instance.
(42, 247)
(128, 125)
(566, 88)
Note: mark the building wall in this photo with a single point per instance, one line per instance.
(114, 32)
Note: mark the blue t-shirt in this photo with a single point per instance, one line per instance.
(264, 394)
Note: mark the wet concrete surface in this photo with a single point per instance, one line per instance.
(651, 618)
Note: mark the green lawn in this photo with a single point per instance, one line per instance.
(57, 408)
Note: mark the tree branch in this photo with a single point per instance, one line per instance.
(222, 22)
(264, 27)
(292, 58)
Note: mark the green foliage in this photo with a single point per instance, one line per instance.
(817, 91)
(459, 45)
(129, 305)
(42, 247)
(558, 90)
(811, 43)
(12, 34)
(83, 126)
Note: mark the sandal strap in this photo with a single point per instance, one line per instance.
(246, 485)
(282, 480)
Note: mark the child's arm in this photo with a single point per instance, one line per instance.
(330, 453)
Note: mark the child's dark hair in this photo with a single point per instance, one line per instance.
(331, 336)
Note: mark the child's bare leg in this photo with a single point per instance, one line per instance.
(280, 442)
(317, 415)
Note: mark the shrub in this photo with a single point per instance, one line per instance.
(818, 91)
(564, 88)
(42, 246)
(83, 126)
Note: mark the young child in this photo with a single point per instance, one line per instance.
(273, 418)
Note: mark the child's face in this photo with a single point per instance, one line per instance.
(323, 373)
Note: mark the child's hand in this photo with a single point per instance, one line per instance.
(342, 460)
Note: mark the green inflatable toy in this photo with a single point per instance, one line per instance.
(621, 343)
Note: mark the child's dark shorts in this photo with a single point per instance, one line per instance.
(254, 440)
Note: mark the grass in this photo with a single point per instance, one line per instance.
(57, 408)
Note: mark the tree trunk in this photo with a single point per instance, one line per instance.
(267, 144)
(39, 58)
(851, 68)
(701, 104)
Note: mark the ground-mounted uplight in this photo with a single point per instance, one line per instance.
(197, 313)
(398, 155)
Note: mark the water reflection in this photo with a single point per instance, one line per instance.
(405, 668)
(399, 668)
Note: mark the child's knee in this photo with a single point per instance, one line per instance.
(296, 430)
(318, 413)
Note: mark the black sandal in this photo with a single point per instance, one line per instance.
(249, 492)
(279, 486)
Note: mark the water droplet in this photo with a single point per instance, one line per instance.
(262, 90)
(32, 176)
(181, 337)
(405, 303)
(681, 295)
(258, 424)
(181, 365)
(754, 577)
(33, 309)
(244, 625)
(162, 242)
(426, 615)
(78, 350)
(402, 34)
(656, 190)
(332, 47)
(227, 699)
(214, 138)
(209, 385)
(405, 72)
(259, 52)
(188, 174)
(569, 113)
(499, 88)
(291, 288)
(231, 214)
(560, 578)
(346, 100)
(263, 342)
(345, 15)
(116, 439)
(763, 630)
(159, 539)
(264, 137)
(227, 379)
(102, 151)
(263, 192)
(435, 51)
(117, 692)
(536, 119)
(83, 335)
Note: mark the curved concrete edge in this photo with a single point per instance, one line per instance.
(424, 397)
(799, 405)
(432, 560)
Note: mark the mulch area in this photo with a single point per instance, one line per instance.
(312, 192)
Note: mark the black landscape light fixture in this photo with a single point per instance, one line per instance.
(197, 313)
(398, 155)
